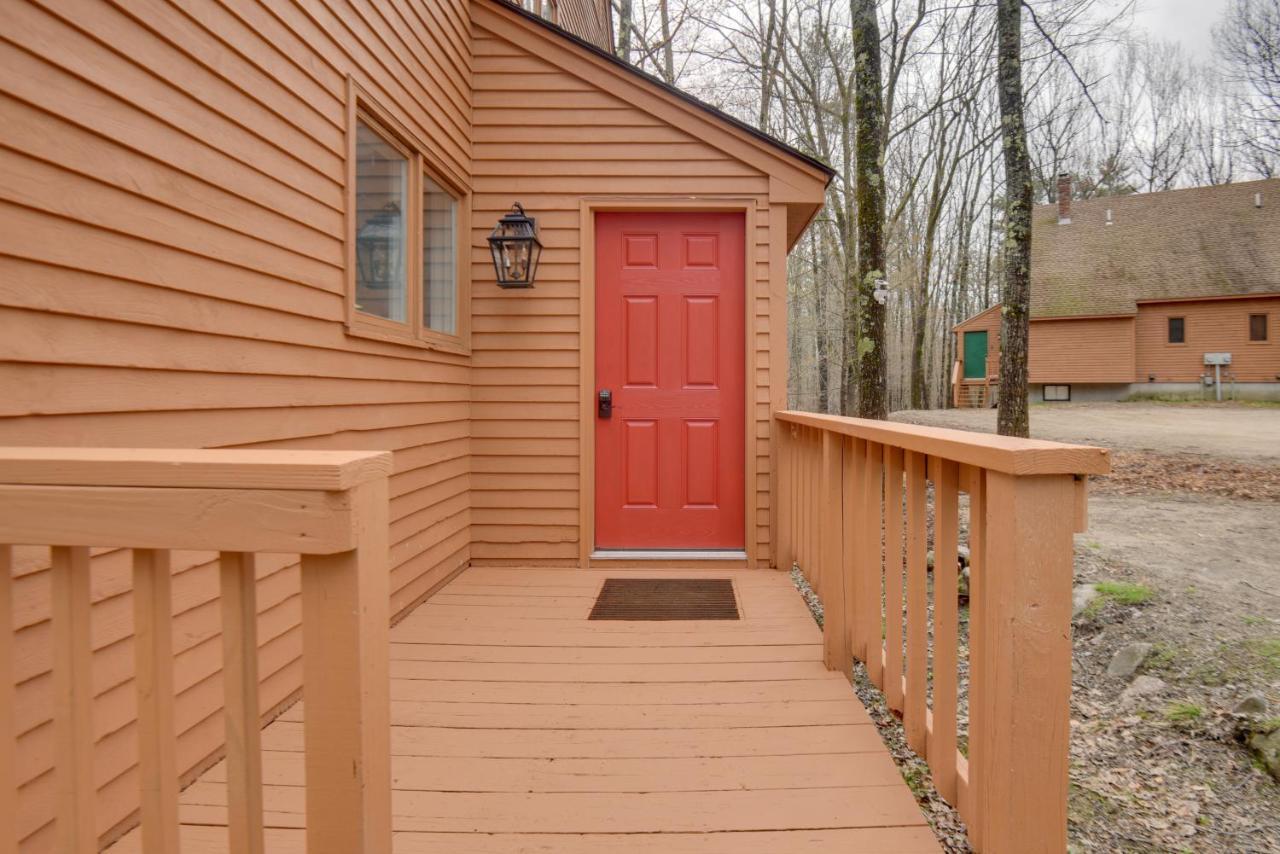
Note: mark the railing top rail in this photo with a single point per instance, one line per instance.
(205, 469)
(999, 453)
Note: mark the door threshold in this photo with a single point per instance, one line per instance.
(668, 554)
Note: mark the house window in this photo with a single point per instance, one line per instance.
(408, 278)
(439, 258)
(1057, 392)
(1177, 330)
(1257, 327)
(382, 179)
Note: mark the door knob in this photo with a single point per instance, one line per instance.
(604, 403)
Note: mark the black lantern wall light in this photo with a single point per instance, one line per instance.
(515, 248)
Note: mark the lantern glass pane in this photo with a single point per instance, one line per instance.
(439, 258)
(516, 260)
(382, 174)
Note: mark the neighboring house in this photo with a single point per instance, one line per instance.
(1134, 295)
(263, 224)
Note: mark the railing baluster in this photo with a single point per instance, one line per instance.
(815, 509)
(797, 499)
(793, 499)
(8, 734)
(73, 700)
(942, 741)
(855, 494)
(872, 565)
(849, 546)
(238, 571)
(157, 739)
(893, 576)
(914, 721)
(974, 481)
(835, 635)
(347, 720)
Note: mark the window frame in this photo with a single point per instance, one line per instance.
(1168, 330)
(1044, 393)
(1266, 327)
(361, 107)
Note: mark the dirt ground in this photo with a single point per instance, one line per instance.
(1191, 521)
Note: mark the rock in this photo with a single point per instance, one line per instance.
(1127, 661)
(1267, 748)
(1254, 705)
(1081, 596)
(1143, 686)
(962, 558)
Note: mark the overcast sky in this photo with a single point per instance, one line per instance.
(1187, 21)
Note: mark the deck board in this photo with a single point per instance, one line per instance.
(519, 726)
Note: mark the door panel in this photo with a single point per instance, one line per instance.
(975, 355)
(670, 347)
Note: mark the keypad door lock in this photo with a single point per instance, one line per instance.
(604, 403)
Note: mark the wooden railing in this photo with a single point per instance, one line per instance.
(854, 514)
(330, 507)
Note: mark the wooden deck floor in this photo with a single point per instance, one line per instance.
(519, 726)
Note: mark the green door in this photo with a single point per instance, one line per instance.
(975, 355)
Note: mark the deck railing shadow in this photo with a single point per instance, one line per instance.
(329, 507)
(859, 504)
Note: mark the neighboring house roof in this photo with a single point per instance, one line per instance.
(717, 114)
(1200, 242)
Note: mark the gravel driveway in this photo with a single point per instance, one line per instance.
(1239, 432)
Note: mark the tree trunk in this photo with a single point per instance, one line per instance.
(919, 318)
(668, 50)
(820, 330)
(624, 30)
(1013, 418)
(869, 142)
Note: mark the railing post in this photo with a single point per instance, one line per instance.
(346, 685)
(1025, 662)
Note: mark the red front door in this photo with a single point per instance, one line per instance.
(670, 349)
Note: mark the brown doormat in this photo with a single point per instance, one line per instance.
(666, 599)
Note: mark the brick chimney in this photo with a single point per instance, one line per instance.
(1064, 198)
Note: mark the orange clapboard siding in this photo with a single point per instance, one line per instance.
(172, 228)
(526, 368)
(1213, 326)
(1083, 350)
(1063, 350)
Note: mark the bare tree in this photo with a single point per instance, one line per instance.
(1248, 40)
